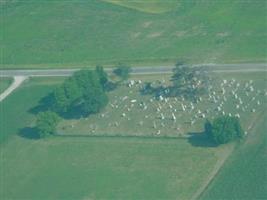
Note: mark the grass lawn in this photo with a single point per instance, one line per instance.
(79, 33)
(244, 175)
(94, 168)
(144, 120)
(4, 83)
(14, 110)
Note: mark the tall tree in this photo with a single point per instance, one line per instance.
(46, 123)
(103, 77)
(122, 71)
(224, 129)
(188, 81)
(83, 92)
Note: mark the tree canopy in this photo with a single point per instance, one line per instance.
(46, 123)
(122, 71)
(224, 129)
(188, 81)
(83, 92)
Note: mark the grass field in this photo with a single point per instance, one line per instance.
(244, 175)
(143, 119)
(4, 83)
(15, 108)
(148, 6)
(49, 34)
(93, 168)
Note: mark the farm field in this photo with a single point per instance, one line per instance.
(56, 34)
(131, 114)
(82, 167)
(4, 83)
(244, 174)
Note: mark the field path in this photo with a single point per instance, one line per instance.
(18, 80)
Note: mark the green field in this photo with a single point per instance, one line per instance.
(4, 83)
(244, 175)
(47, 34)
(147, 122)
(93, 168)
(148, 6)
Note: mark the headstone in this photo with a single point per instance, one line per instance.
(173, 117)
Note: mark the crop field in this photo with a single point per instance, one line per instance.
(131, 114)
(78, 33)
(4, 83)
(244, 174)
(91, 167)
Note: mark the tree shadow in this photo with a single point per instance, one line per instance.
(29, 133)
(44, 104)
(200, 139)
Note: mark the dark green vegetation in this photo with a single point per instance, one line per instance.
(82, 94)
(77, 33)
(4, 83)
(224, 129)
(46, 123)
(244, 175)
(188, 81)
(122, 71)
(92, 168)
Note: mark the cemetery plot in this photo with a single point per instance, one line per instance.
(131, 114)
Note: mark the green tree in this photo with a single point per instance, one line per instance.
(188, 81)
(122, 71)
(103, 77)
(224, 129)
(46, 123)
(82, 93)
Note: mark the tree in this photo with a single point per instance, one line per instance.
(103, 77)
(224, 129)
(46, 123)
(188, 81)
(122, 71)
(82, 93)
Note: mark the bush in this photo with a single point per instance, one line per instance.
(224, 129)
(84, 93)
(122, 71)
(46, 123)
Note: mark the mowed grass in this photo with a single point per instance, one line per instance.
(79, 33)
(244, 175)
(93, 168)
(4, 83)
(15, 109)
(143, 119)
